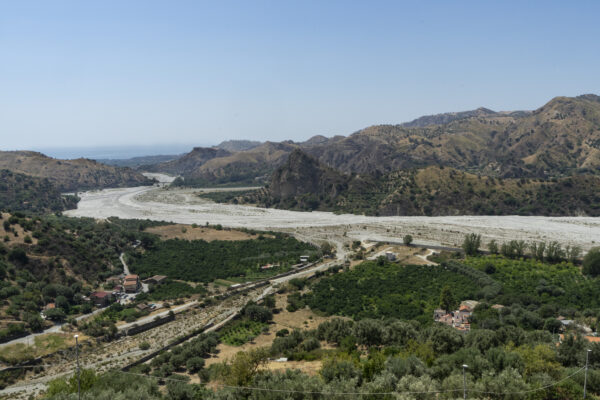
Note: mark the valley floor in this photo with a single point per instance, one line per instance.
(184, 206)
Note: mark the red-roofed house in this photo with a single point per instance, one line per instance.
(101, 299)
(131, 283)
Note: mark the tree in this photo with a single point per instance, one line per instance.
(407, 239)
(19, 255)
(471, 244)
(493, 247)
(245, 365)
(55, 314)
(369, 332)
(62, 303)
(34, 321)
(258, 313)
(591, 262)
(447, 301)
(194, 364)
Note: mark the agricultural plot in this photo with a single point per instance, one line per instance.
(241, 332)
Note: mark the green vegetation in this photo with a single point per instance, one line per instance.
(202, 261)
(591, 262)
(66, 259)
(426, 191)
(20, 192)
(170, 290)
(471, 244)
(369, 356)
(240, 332)
(227, 196)
(388, 290)
(547, 290)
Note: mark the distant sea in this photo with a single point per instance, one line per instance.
(116, 152)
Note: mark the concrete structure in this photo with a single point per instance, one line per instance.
(390, 256)
(131, 283)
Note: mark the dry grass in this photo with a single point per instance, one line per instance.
(187, 232)
(404, 254)
(42, 345)
(301, 319)
(307, 367)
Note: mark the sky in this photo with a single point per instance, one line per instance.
(168, 74)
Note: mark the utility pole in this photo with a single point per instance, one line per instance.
(78, 374)
(587, 359)
(465, 366)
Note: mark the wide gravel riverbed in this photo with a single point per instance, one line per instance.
(184, 206)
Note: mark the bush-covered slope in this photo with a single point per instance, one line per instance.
(304, 183)
(20, 192)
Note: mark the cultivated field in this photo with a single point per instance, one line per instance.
(187, 232)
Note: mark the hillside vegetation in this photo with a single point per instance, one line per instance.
(70, 175)
(558, 139)
(303, 183)
(51, 259)
(20, 192)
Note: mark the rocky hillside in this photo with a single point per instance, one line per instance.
(559, 138)
(20, 192)
(304, 183)
(249, 167)
(238, 145)
(556, 140)
(70, 175)
(188, 163)
(135, 162)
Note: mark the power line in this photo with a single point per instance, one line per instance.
(291, 391)
(367, 393)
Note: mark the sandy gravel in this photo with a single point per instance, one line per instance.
(183, 206)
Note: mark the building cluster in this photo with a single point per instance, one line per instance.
(459, 319)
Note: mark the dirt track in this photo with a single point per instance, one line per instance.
(183, 206)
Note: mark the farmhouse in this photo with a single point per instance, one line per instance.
(458, 319)
(131, 283)
(101, 299)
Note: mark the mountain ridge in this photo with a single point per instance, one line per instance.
(70, 175)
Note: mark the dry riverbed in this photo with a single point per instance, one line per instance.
(183, 206)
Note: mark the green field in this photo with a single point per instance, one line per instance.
(240, 332)
(201, 261)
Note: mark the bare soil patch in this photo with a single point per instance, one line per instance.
(301, 319)
(404, 254)
(188, 232)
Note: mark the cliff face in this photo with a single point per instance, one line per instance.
(302, 174)
(71, 175)
(303, 183)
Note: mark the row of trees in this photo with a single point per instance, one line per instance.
(552, 252)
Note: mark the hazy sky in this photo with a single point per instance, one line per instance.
(83, 73)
